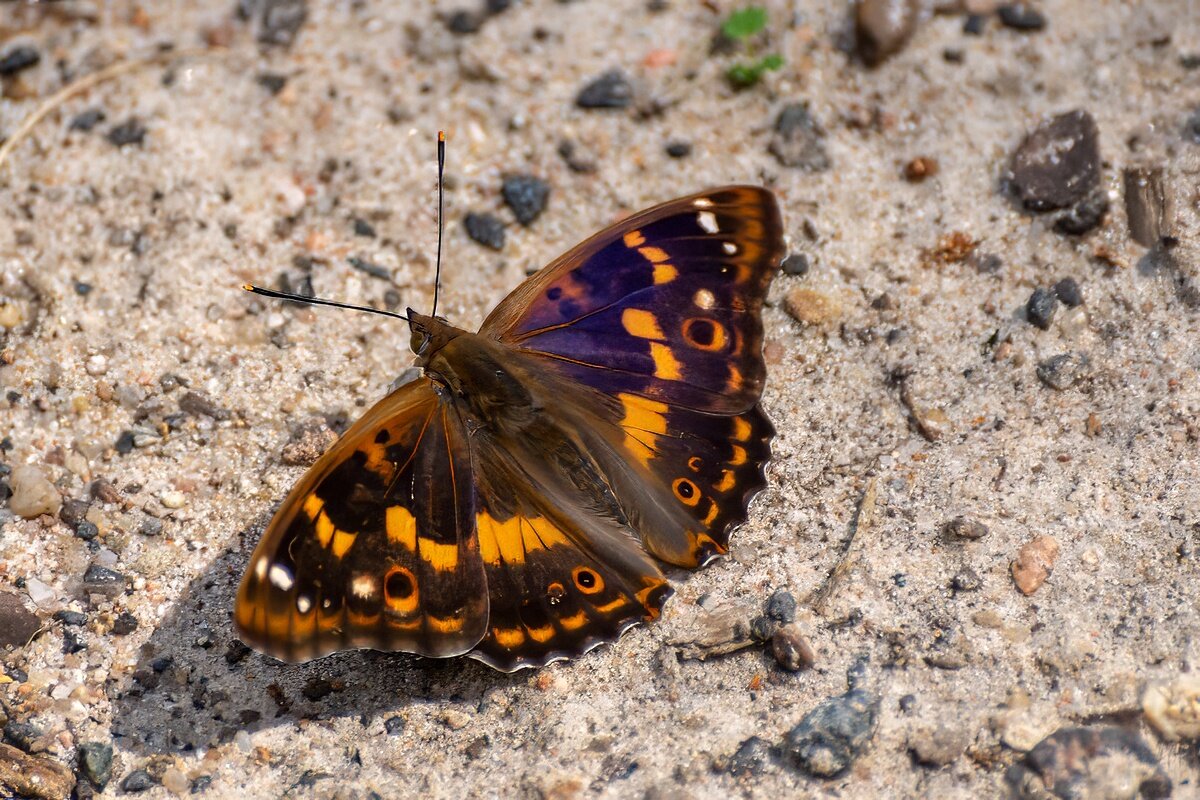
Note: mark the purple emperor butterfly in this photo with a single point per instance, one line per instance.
(515, 502)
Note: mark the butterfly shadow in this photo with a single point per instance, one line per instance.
(196, 686)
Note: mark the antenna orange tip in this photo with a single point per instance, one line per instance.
(247, 287)
(441, 136)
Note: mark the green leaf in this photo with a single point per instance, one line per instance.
(746, 22)
(743, 76)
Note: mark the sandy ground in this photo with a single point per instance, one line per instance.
(908, 396)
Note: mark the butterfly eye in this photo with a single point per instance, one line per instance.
(587, 581)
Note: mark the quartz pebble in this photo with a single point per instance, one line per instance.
(32, 493)
(1034, 563)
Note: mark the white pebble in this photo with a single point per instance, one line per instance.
(96, 365)
(173, 499)
(39, 592)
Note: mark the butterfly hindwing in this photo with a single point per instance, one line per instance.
(375, 546)
(665, 304)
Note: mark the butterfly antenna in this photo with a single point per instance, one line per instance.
(437, 274)
(318, 301)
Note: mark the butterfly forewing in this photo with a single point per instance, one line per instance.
(376, 546)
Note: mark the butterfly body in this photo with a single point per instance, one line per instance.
(515, 501)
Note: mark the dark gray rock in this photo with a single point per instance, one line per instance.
(752, 757)
(965, 528)
(966, 580)
(791, 650)
(796, 264)
(610, 90)
(1021, 17)
(22, 735)
(781, 606)
(102, 580)
(1076, 763)
(1085, 215)
(131, 131)
(72, 618)
(486, 229)
(833, 735)
(1063, 371)
(1068, 292)
(1058, 164)
(1040, 308)
(526, 195)
(797, 141)
(95, 763)
(19, 58)
(124, 624)
(137, 781)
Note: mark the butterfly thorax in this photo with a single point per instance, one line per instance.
(475, 372)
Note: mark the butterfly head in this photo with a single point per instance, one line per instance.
(429, 335)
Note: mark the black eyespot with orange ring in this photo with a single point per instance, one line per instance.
(686, 491)
(705, 334)
(587, 580)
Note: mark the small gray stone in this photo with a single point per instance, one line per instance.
(752, 757)
(797, 140)
(486, 229)
(610, 90)
(197, 405)
(965, 528)
(131, 131)
(1089, 762)
(834, 734)
(526, 195)
(23, 735)
(1063, 371)
(151, 526)
(1021, 17)
(1084, 215)
(781, 606)
(19, 58)
(796, 264)
(938, 747)
(1068, 292)
(966, 580)
(1040, 308)
(137, 781)
(95, 763)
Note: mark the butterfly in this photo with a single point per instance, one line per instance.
(517, 502)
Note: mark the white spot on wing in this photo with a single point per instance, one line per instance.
(729, 247)
(260, 569)
(363, 586)
(702, 202)
(704, 299)
(708, 221)
(303, 604)
(280, 577)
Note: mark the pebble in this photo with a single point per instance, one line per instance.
(18, 59)
(975, 24)
(1040, 308)
(965, 528)
(1148, 204)
(834, 734)
(811, 307)
(781, 606)
(1021, 17)
(1191, 128)
(966, 580)
(197, 405)
(1058, 164)
(68, 617)
(486, 229)
(363, 228)
(796, 141)
(87, 530)
(74, 511)
(679, 149)
(577, 157)
(17, 623)
(463, 22)
(309, 440)
(124, 624)
(102, 580)
(279, 21)
(173, 499)
(751, 758)
(1174, 708)
(137, 781)
(796, 264)
(86, 120)
(369, 267)
(174, 781)
(40, 592)
(394, 726)
(151, 526)
(610, 90)
(95, 763)
(34, 776)
(1068, 292)
(72, 641)
(273, 82)
(131, 131)
(526, 195)
(1106, 762)
(791, 650)
(125, 442)
(23, 735)
(938, 747)
(883, 27)
(920, 168)
(1085, 215)
(32, 493)
(1063, 371)
(1034, 563)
